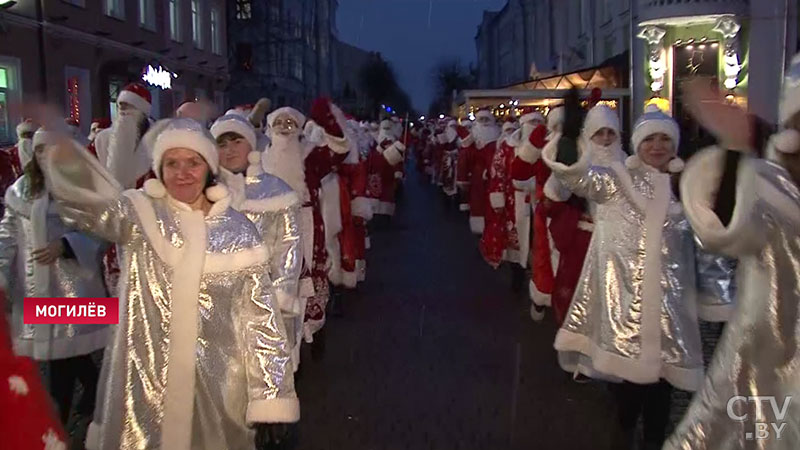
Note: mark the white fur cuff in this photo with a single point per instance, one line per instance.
(337, 144)
(392, 155)
(276, 410)
(467, 142)
(528, 153)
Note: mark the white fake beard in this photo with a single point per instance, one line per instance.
(25, 151)
(125, 161)
(485, 134)
(451, 134)
(285, 159)
(385, 135)
(605, 155)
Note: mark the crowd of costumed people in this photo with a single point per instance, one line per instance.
(635, 252)
(227, 241)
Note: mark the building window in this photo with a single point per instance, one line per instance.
(244, 9)
(147, 14)
(274, 11)
(584, 16)
(297, 69)
(244, 56)
(115, 85)
(216, 35)
(174, 20)
(81, 3)
(115, 8)
(197, 35)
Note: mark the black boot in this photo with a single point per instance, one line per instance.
(518, 277)
(335, 306)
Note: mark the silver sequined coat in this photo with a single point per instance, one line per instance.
(272, 206)
(200, 352)
(759, 353)
(634, 313)
(29, 224)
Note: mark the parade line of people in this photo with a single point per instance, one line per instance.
(225, 239)
(631, 256)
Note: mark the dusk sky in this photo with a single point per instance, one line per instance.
(402, 32)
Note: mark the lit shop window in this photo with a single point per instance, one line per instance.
(73, 98)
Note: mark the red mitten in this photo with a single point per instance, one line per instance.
(537, 137)
(322, 114)
(462, 131)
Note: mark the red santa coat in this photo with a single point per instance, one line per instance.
(530, 173)
(28, 419)
(500, 234)
(382, 163)
(472, 171)
(352, 235)
(449, 162)
(571, 229)
(320, 162)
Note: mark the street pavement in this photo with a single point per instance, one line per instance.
(435, 351)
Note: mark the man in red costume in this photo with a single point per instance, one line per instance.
(383, 162)
(474, 160)
(303, 165)
(500, 238)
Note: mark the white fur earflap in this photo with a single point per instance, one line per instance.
(676, 165)
(787, 141)
(155, 188)
(633, 162)
(216, 193)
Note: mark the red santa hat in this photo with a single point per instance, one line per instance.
(529, 114)
(102, 123)
(509, 124)
(600, 116)
(555, 118)
(234, 123)
(137, 96)
(483, 112)
(26, 126)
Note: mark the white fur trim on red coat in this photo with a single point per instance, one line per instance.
(464, 143)
(528, 153)
(555, 191)
(393, 155)
(528, 185)
(361, 207)
(136, 101)
(338, 145)
(476, 224)
(538, 297)
(497, 199)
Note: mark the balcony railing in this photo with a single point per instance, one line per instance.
(654, 10)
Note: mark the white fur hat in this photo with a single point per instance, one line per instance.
(531, 116)
(600, 116)
(555, 118)
(287, 110)
(484, 113)
(185, 133)
(790, 92)
(234, 123)
(26, 126)
(654, 121)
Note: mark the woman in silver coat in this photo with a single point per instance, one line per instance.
(633, 318)
(272, 206)
(749, 208)
(40, 256)
(200, 358)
